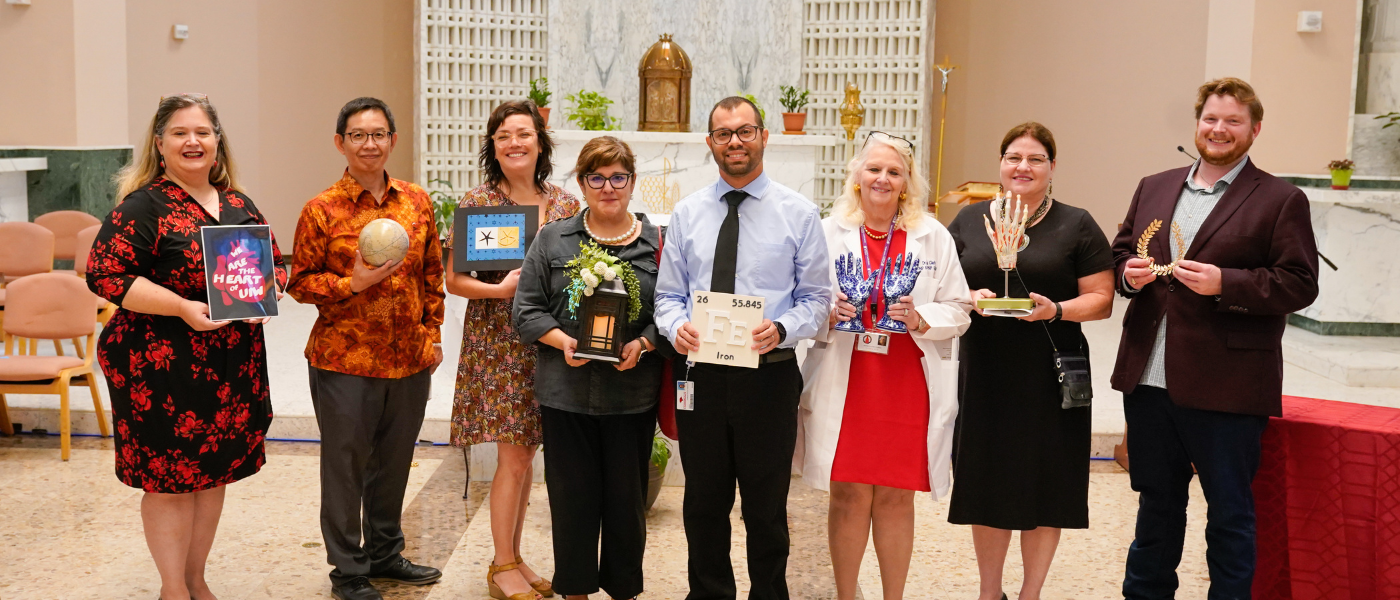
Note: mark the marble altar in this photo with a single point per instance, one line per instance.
(671, 165)
(736, 45)
(1359, 230)
(14, 186)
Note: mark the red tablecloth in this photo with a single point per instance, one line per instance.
(1328, 503)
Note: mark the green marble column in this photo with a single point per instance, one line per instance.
(75, 180)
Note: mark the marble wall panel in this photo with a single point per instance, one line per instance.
(734, 45)
(75, 180)
(1376, 151)
(14, 202)
(1360, 232)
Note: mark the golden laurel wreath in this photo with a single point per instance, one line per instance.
(1161, 270)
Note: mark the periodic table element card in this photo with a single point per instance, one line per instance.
(492, 238)
(726, 323)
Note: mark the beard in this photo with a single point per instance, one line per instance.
(755, 159)
(1228, 157)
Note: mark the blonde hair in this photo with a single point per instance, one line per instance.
(914, 205)
(145, 166)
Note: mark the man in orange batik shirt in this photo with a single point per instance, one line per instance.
(375, 344)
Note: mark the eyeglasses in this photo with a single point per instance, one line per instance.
(618, 180)
(359, 137)
(746, 133)
(1035, 161)
(890, 138)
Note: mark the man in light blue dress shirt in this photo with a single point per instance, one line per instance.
(744, 424)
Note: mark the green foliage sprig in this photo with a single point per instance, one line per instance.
(539, 92)
(660, 451)
(592, 266)
(751, 98)
(444, 206)
(590, 112)
(794, 99)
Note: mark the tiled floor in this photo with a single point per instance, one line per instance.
(72, 531)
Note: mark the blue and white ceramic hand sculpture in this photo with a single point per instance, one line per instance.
(899, 281)
(849, 272)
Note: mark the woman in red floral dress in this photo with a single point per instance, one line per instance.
(189, 395)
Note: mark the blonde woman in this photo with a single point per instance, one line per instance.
(879, 407)
(179, 439)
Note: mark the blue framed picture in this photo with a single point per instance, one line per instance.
(493, 238)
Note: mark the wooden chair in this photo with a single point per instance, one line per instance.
(86, 237)
(25, 249)
(50, 306)
(65, 225)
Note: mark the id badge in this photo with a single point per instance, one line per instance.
(873, 341)
(685, 395)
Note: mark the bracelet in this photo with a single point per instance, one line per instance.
(1059, 312)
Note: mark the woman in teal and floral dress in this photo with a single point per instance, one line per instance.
(495, 401)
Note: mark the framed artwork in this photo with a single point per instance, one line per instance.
(493, 238)
(238, 272)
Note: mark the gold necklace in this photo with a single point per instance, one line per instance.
(872, 235)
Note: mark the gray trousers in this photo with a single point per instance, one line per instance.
(368, 429)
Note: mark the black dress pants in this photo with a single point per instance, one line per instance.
(369, 426)
(1164, 441)
(595, 467)
(744, 430)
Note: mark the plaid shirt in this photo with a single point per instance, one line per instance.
(387, 330)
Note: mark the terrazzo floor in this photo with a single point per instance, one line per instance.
(72, 531)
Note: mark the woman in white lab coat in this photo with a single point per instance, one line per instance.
(878, 407)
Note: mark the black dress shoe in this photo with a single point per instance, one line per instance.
(358, 588)
(403, 571)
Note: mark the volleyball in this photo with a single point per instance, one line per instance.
(383, 240)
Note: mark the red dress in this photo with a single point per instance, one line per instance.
(884, 427)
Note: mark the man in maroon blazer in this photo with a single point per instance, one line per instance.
(1200, 363)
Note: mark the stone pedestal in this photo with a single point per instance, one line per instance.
(671, 165)
(14, 186)
(1359, 230)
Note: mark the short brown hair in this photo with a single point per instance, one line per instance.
(544, 165)
(733, 103)
(1037, 131)
(1231, 86)
(602, 151)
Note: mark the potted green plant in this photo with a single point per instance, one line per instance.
(1341, 173)
(660, 456)
(444, 207)
(539, 94)
(590, 112)
(794, 100)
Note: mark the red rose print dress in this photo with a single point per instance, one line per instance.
(190, 408)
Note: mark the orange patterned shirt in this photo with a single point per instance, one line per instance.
(387, 330)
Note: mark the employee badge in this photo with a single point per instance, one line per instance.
(873, 341)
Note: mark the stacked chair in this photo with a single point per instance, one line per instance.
(25, 249)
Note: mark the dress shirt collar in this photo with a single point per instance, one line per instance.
(754, 189)
(353, 189)
(1229, 178)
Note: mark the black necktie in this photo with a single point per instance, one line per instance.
(727, 246)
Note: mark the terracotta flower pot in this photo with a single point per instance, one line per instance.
(1341, 180)
(793, 123)
(544, 114)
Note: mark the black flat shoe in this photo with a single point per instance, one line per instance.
(404, 571)
(358, 588)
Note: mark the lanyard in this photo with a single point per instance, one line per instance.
(865, 270)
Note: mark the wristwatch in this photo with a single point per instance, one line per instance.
(1059, 311)
(644, 348)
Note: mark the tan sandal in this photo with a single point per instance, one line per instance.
(543, 586)
(495, 590)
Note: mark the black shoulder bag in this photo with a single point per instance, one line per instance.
(1072, 370)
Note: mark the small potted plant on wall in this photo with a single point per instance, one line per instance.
(590, 112)
(1341, 173)
(660, 455)
(794, 100)
(444, 209)
(539, 94)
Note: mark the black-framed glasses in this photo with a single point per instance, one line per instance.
(746, 133)
(1033, 161)
(359, 137)
(596, 180)
(890, 138)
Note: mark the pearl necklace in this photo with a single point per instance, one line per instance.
(872, 235)
(612, 241)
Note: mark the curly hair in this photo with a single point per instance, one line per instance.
(544, 165)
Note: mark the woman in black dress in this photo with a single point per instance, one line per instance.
(189, 395)
(1020, 462)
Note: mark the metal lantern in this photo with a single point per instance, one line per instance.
(604, 318)
(665, 98)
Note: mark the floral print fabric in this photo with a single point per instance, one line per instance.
(495, 397)
(190, 408)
